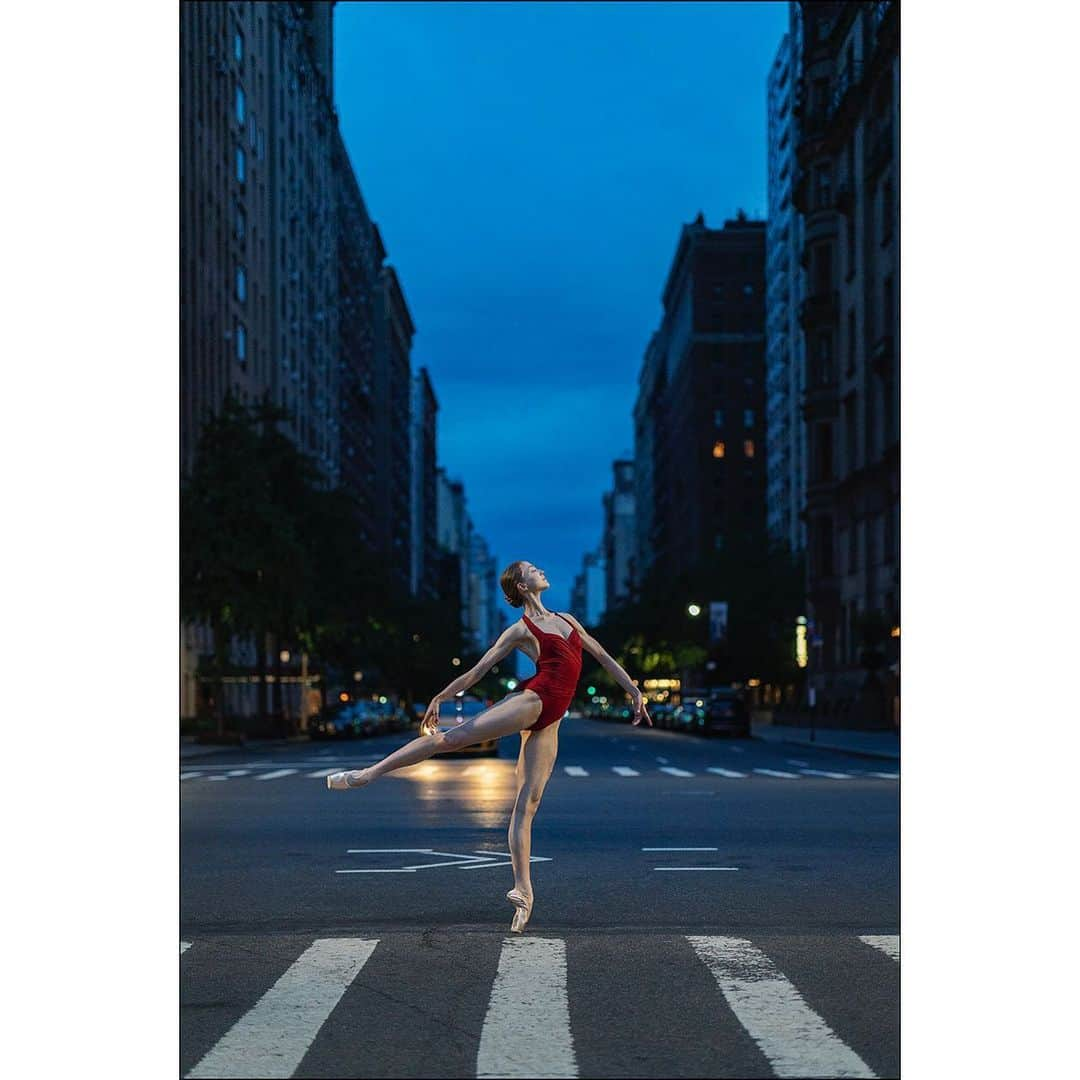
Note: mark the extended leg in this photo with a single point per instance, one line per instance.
(535, 762)
(504, 718)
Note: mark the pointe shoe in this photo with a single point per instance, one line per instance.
(524, 905)
(339, 781)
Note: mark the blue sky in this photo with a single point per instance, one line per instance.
(530, 166)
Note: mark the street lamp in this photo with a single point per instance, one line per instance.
(284, 656)
(694, 609)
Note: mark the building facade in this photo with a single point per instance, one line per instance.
(847, 191)
(424, 530)
(620, 536)
(699, 418)
(588, 593)
(785, 377)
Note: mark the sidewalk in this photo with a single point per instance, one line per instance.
(880, 744)
(190, 749)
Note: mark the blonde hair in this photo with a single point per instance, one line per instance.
(509, 581)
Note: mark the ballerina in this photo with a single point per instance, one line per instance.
(534, 710)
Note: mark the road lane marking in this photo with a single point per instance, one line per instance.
(237, 772)
(189, 775)
(680, 849)
(695, 868)
(217, 778)
(276, 775)
(322, 772)
(886, 775)
(776, 772)
(575, 770)
(271, 1039)
(672, 771)
(796, 761)
(791, 1035)
(725, 772)
(625, 770)
(889, 944)
(829, 775)
(526, 1030)
(185, 945)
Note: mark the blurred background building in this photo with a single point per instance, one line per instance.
(588, 594)
(620, 538)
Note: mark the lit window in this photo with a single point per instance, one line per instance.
(241, 343)
(241, 284)
(241, 164)
(718, 449)
(748, 417)
(718, 418)
(748, 448)
(240, 105)
(238, 46)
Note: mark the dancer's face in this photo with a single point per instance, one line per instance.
(534, 579)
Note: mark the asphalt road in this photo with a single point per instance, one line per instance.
(309, 950)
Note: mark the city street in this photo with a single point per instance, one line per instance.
(714, 907)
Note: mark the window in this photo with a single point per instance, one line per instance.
(748, 448)
(748, 418)
(886, 211)
(824, 452)
(887, 315)
(849, 229)
(241, 164)
(825, 546)
(849, 431)
(241, 223)
(853, 547)
(241, 284)
(241, 343)
(240, 113)
(718, 449)
(851, 341)
(238, 46)
(718, 417)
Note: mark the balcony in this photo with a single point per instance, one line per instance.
(818, 309)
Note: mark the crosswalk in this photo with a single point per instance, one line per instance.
(537, 1005)
(304, 771)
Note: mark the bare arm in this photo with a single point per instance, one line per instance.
(612, 666)
(505, 643)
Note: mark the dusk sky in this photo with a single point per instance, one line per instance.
(529, 167)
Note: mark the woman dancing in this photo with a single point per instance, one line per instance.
(534, 710)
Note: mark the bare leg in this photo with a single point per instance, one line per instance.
(503, 718)
(535, 762)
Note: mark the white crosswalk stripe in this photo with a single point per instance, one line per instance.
(323, 772)
(276, 774)
(672, 771)
(777, 772)
(886, 775)
(889, 944)
(828, 775)
(791, 1035)
(189, 775)
(731, 773)
(526, 1031)
(237, 772)
(625, 770)
(271, 1039)
(575, 770)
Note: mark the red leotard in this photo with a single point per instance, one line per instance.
(557, 672)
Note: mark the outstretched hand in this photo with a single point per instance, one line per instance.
(640, 711)
(430, 724)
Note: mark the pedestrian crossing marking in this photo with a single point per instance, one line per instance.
(184, 946)
(575, 770)
(322, 772)
(731, 773)
(189, 775)
(886, 775)
(672, 771)
(828, 775)
(237, 772)
(271, 1039)
(625, 770)
(889, 944)
(217, 778)
(791, 1035)
(777, 772)
(797, 762)
(274, 775)
(526, 1030)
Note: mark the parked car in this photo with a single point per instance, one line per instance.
(457, 712)
(726, 713)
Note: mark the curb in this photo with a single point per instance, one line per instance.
(886, 755)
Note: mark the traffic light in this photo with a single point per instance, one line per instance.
(590, 689)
